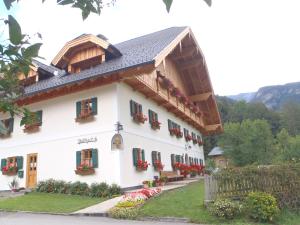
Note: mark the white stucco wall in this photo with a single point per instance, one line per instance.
(57, 141)
(142, 136)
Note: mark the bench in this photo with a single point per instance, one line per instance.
(171, 175)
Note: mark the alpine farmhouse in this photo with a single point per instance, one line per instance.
(112, 113)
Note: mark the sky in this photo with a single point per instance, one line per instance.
(247, 43)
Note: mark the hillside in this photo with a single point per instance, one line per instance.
(274, 97)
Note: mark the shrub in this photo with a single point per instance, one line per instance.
(79, 188)
(99, 190)
(123, 213)
(225, 208)
(114, 190)
(261, 206)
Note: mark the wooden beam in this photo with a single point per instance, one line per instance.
(214, 127)
(186, 52)
(189, 64)
(200, 97)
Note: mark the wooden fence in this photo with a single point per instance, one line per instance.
(239, 184)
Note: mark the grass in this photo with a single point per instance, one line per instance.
(187, 202)
(44, 202)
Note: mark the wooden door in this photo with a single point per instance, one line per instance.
(31, 170)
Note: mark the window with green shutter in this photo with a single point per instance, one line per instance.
(86, 109)
(136, 112)
(153, 120)
(156, 161)
(3, 163)
(174, 129)
(86, 161)
(139, 159)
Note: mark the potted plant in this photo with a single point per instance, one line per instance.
(146, 184)
(84, 169)
(163, 180)
(139, 117)
(13, 185)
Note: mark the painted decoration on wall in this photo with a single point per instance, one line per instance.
(117, 142)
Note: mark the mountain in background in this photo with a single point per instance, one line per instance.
(274, 97)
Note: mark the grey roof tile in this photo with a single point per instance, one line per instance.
(137, 51)
(216, 151)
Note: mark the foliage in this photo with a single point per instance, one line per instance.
(101, 190)
(248, 142)
(123, 213)
(45, 202)
(291, 118)
(225, 208)
(262, 206)
(282, 181)
(129, 203)
(14, 184)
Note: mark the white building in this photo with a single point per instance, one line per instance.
(90, 87)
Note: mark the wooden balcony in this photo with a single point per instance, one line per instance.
(149, 85)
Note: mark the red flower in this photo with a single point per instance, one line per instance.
(139, 117)
(158, 165)
(142, 165)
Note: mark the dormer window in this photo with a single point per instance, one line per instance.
(85, 52)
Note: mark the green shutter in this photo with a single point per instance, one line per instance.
(94, 106)
(95, 158)
(78, 109)
(140, 108)
(132, 108)
(154, 157)
(78, 158)
(39, 116)
(159, 156)
(150, 112)
(155, 116)
(143, 155)
(134, 154)
(169, 124)
(11, 125)
(172, 160)
(3, 163)
(19, 162)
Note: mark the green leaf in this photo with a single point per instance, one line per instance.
(208, 2)
(65, 2)
(32, 51)
(168, 4)
(15, 33)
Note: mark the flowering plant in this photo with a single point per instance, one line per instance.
(183, 168)
(139, 117)
(155, 124)
(167, 84)
(176, 92)
(195, 141)
(142, 165)
(9, 168)
(188, 137)
(176, 131)
(84, 167)
(200, 142)
(141, 195)
(158, 165)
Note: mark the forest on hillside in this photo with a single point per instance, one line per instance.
(254, 134)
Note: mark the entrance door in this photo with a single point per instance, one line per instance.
(31, 170)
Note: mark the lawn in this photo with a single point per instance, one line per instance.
(44, 202)
(188, 202)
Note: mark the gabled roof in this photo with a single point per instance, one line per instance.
(135, 52)
(216, 151)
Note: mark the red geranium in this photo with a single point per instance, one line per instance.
(158, 165)
(84, 167)
(142, 165)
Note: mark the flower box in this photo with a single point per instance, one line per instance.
(84, 172)
(176, 132)
(32, 127)
(139, 118)
(155, 125)
(142, 165)
(195, 141)
(84, 117)
(158, 166)
(188, 138)
(10, 171)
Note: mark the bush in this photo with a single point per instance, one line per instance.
(261, 206)
(78, 188)
(225, 208)
(129, 204)
(123, 213)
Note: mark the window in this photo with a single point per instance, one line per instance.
(153, 120)
(33, 121)
(11, 165)
(136, 112)
(8, 125)
(194, 138)
(199, 140)
(87, 157)
(156, 161)
(139, 159)
(174, 129)
(187, 135)
(86, 109)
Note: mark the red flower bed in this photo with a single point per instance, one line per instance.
(142, 165)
